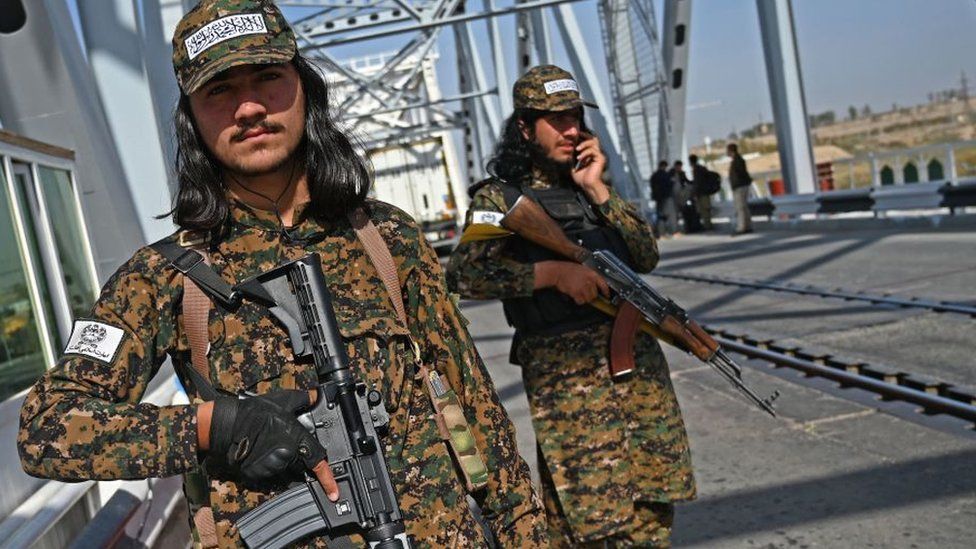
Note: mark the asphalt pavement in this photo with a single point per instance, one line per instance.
(834, 469)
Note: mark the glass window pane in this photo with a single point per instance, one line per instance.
(28, 205)
(21, 354)
(69, 238)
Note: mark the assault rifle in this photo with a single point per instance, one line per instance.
(662, 317)
(346, 420)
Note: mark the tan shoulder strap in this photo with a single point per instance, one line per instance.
(379, 254)
(449, 416)
(196, 314)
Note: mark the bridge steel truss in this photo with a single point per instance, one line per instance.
(638, 83)
(393, 104)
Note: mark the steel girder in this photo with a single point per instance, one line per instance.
(637, 82)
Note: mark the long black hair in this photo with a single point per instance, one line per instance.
(338, 177)
(515, 156)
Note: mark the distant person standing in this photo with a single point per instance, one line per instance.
(661, 190)
(740, 181)
(704, 184)
(682, 198)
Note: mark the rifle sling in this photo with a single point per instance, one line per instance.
(195, 266)
(470, 464)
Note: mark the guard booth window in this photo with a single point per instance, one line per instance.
(46, 271)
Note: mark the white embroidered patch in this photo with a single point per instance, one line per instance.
(224, 29)
(487, 218)
(557, 86)
(94, 339)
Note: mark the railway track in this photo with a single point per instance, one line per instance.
(838, 293)
(932, 396)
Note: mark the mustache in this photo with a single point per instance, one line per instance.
(270, 127)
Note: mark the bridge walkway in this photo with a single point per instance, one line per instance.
(837, 468)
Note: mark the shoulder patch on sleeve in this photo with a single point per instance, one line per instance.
(95, 340)
(487, 217)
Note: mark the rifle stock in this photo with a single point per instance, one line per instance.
(531, 222)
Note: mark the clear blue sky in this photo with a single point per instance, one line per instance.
(852, 52)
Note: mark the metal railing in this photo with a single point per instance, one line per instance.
(937, 162)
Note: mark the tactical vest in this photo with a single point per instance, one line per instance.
(549, 311)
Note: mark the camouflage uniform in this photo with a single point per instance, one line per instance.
(83, 419)
(611, 452)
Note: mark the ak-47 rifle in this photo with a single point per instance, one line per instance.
(345, 419)
(662, 317)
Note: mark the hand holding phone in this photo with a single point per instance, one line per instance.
(588, 165)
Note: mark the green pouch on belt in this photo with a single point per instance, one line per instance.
(455, 431)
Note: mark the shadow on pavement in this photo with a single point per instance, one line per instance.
(788, 274)
(785, 315)
(780, 507)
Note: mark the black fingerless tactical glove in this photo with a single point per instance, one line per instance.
(260, 437)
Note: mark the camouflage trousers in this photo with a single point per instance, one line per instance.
(605, 443)
(650, 524)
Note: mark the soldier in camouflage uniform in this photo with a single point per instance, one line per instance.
(613, 453)
(265, 177)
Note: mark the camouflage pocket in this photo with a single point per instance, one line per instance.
(455, 431)
(244, 366)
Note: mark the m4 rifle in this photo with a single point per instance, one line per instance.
(346, 419)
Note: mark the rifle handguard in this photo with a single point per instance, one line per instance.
(684, 338)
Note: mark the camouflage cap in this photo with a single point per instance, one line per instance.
(547, 88)
(219, 34)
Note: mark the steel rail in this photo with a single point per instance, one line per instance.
(839, 293)
(932, 403)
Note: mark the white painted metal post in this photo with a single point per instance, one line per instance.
(525, 53)
(157, 54)
(478, 74)
(540, 36)
(786, 91)
(115, 52)
(501, 72)
(951, 172)
(875, 174)
(473, 142)
(603, 121)
(675, 46)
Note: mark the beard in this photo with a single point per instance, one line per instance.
(554, 171)
(243, 168)
(272, 161)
